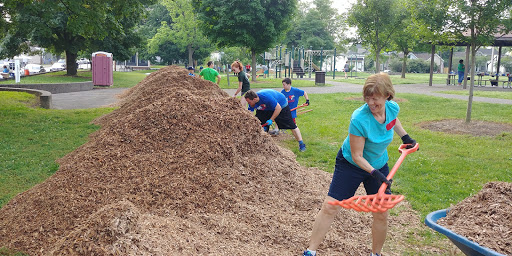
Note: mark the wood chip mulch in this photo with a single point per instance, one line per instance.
(181, 169)
(485, 218)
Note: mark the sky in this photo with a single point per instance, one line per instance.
(342, 5)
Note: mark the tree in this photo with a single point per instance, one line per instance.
(257, 25)
(479, 22)
(431, 17)
(184, 30)
(71, 27)
(377, 21)
(405, 38)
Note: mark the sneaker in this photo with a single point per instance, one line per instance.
(308, 253)
(374, 254)
(302, 147)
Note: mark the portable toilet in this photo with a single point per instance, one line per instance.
(102, 69)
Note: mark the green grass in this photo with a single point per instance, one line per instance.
(486, 94)
(270, 82)
(32, 139)
(121, 79)
(410, 78)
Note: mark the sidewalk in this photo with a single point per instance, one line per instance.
(105, 96)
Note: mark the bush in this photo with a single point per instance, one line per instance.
(419, 66)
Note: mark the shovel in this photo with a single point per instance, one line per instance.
(303, 105)
(379, 202)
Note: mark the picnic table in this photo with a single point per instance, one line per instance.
(451, 79)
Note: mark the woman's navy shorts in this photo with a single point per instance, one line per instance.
(347, 177)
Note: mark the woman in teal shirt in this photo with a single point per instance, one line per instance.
(460, 69)
(363, 159)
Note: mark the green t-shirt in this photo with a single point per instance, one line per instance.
(209, 74)
(461, 67)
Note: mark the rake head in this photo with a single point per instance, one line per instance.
(370, 203)
(379, 202)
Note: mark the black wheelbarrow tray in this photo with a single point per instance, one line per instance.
(467, 246)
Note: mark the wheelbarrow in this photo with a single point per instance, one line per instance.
(467, 246)
(381, 201)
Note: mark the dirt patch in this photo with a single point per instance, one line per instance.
(485, 218)
(181, 169)
(474, 128)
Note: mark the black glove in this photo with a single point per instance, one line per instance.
(406, 139)
(307, 102)
(380, 177)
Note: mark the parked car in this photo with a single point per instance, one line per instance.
(58, 66)
(35, 68)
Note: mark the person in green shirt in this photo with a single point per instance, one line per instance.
(209, 73)
(461, 68)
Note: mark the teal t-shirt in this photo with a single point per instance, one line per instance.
(377, 136)
(209, 74)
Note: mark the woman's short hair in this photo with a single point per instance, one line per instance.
(238, 65)
(460, 61)
(379, 84)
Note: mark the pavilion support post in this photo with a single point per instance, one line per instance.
(465, 80)
(432, 64)
(450, 63)
(498, 67)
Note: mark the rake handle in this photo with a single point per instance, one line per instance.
(404, 152)
(303, 105)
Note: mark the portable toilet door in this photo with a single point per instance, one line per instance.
(102, 69)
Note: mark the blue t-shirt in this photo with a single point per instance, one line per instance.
(269, 99)
(378, 136)
(293, 98)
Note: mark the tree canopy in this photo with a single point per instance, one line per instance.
(257, 25)
(72, 26)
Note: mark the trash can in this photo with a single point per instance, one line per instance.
(27, 72)
(319, 78)
(102, 69)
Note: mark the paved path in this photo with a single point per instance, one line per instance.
(104, 97)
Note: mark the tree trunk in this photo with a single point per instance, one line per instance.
(71, 65)
(377, 62)
(404, 64)
(190, 54)
(432, 64)
(472, 83)
(253, 65)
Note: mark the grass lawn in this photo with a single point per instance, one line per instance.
(410, 78)
(32, 139)
(486, 94)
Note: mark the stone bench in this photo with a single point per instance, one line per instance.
(45, 97)
(55, 88)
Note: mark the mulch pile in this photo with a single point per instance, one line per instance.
(485, 218)
(181, 169)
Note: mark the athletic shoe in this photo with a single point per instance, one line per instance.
(274, 132)
(375, 254)
(302, 147)
(308, 253)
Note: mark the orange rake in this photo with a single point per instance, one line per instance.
(379, 202)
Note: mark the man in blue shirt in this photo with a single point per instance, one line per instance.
(271, 106)
(293, 94)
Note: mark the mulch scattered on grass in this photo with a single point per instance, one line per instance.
(485, 218)
(181, 169)
(473, 128)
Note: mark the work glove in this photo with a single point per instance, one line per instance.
(380, 177)
(307, 102)
(406, 139)
(269, 122)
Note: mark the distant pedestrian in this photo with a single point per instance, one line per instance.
(191, 71)
(243, 81)
(346, 69)
(461, 68)
(210, 74)
(6, 70)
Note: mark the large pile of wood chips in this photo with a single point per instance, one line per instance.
(485, 218)
(181, 169)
